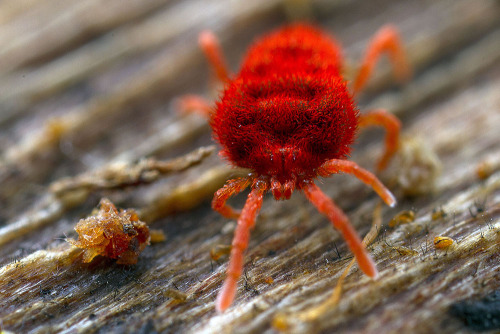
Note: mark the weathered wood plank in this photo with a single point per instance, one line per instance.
(100, 95)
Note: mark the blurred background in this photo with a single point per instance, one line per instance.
(90, 86)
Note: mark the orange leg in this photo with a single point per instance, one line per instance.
(340, 221)
(345, 166)
(211, 47)
(240, 244)
(386, 40)
(392, 125)
(194, 103)
(231, 188)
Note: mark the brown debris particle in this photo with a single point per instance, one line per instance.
(487, 167)
(112, 233)
(438, 214)
(403, 217)
(419, 167)
(269, 280)
(175, 294)
(403, 251)
(219, 251)
(442, 242)
(157, 236)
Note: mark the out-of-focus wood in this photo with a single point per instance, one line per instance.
(86, 86)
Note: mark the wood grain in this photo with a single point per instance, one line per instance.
(86, 86)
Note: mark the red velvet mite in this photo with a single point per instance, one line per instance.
(289, 116)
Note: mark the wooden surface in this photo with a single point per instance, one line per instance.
(88, 87)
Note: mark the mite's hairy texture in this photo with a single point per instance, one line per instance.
(289, 117)
(288, 110)
(297, 48)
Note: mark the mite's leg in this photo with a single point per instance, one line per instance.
(386, 40)
(345, 166)
(392, 125)
(240, 244)
(340, 221)
(211, 47)
(194, 103)
(231, 188)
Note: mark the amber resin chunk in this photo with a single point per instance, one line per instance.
(112, 233)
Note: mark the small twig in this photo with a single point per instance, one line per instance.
(117, 176)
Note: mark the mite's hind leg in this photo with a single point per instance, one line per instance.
(386, 40)
(392, 126)
(340, 221)
(240, 244)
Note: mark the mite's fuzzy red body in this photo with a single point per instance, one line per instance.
(289, 117)
(288, 110)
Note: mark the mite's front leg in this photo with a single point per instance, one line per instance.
(232, 187)
(240, 243)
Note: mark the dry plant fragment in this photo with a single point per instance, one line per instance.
(112, 233)
(120, 175)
